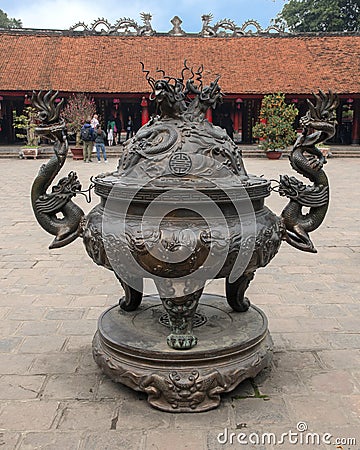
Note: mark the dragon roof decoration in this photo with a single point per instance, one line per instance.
(129, 27)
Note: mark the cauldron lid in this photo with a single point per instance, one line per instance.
(179, 148)
(172, 189)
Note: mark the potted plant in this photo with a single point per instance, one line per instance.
(325, 149)
(25, 123)
(275, 129)
(78, 108)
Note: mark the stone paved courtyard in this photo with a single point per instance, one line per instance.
(53, 396)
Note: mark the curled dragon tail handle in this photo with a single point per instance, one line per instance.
(318, 125)
(54, 210)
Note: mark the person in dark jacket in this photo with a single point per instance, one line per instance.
(129, 128)
(228, 125)
(100, 138)
(87, 134)
(118, 125)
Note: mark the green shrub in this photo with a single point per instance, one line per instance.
(275, 130)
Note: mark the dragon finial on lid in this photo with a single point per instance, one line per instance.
(176, 98)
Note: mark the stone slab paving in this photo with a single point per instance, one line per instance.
(53, 396)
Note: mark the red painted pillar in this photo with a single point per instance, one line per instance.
(208, 115)
(355, 137)
(238, 118)
(144, 111)
(121, 118)
(236, 121)
(1, 112)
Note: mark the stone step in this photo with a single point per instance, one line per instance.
(247, 151)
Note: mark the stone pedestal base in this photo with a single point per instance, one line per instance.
(131, 348)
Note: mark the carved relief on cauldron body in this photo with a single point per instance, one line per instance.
(181, 209)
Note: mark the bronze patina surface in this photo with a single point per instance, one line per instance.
(181, 209)
(129, 347)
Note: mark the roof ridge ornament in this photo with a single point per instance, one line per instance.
(227, 27)
(123, 26)
(223, 28)
(176, 30)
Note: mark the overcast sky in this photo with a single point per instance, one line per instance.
(62, 14)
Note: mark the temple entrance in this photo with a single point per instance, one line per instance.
(251, 111)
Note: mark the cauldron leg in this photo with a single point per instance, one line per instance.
(181, 310)
(235, 292)
(132, 297)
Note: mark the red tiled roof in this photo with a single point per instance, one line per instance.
(296, 64)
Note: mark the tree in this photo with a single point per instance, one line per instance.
(320, 15)
(26, 124)
(5, 22)
(275, 129)
(79, 108)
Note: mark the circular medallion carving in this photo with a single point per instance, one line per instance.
(180, 164)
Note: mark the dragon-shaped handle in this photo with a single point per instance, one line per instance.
(55, 211)
(319, 124)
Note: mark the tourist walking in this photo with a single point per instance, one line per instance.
(87, 135)
(100, 137)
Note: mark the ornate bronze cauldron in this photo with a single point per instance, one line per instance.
(181, 209)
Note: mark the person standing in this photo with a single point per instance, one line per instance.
(87, 136)
(118, 125)
(95, 121)
(228, 125)
(111, 126)
(100, 137)
(129, 128)
(110, 136)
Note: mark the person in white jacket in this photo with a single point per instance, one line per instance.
(110, 136)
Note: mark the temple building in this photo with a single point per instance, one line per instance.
(103, 60)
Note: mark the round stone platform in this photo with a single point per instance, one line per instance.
(131, 348)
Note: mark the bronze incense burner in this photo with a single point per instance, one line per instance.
(181, 209)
